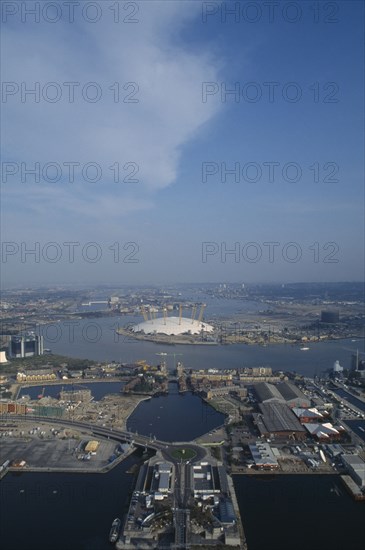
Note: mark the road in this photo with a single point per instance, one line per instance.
(182, 489)
(182, 496)
(117, 435)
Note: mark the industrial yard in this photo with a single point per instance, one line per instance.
(44, 448)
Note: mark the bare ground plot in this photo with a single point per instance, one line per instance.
(54, 453)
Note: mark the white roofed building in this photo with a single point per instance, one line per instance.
(172, 326)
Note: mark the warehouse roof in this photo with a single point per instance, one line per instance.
(226, 511)
(281, 392)
(307, 413)
(267, 391)
(290, 391)
(321, 430)
(263, 455)
(277, 417)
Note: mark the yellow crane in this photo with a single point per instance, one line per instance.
(143, 311)
(193, 314)
(201, 313)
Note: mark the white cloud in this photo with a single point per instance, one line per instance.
(150, 133)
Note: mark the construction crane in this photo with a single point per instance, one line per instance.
(180, 313)
(164, 315)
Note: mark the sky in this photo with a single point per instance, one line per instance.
(182, 141)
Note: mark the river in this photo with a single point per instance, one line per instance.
(96, 339)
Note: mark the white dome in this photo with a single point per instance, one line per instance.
(172, 326)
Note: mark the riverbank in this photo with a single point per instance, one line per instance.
(231, 337)
(165, 339)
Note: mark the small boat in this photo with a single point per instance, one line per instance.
(304, 349)
(114, 531)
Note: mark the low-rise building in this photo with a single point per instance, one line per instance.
(225, 390)
(277, 420)
(356, 467)
(324, 432)
(163, 474)
(37, 375)
(263, 456)
(283, 392)
(210, 376)
(306, 416)
(12, 407)
(205, 482)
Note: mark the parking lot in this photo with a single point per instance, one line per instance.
(50, 452)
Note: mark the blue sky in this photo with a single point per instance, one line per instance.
(170, 134)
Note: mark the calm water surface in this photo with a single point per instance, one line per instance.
(98, 389)
(174, 417)
(96, 339)
(299, 512)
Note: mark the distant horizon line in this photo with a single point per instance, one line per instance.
(171, 283)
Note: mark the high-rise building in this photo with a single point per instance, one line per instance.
(26, 345)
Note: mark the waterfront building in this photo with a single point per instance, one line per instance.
(28, 345)
(263, 456)
(225, 390)
(356, 467)
(210, 376)
(36, 375)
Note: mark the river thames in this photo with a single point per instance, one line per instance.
(97, 340)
